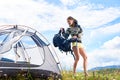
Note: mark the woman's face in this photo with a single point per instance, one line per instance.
(70, 22)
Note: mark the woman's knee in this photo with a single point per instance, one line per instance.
(85, 58)
(77, 59)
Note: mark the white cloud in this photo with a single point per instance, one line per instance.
(96, 18)
(91, 18)
(103, 32)
(39, 14)
(70, 2)
(111, 29)
(46, 16)
(112, 44)
(104, 57)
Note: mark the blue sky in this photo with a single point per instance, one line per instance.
(100, 20)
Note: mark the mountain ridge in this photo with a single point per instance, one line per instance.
(106, 67)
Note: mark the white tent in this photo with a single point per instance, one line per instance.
(24, 49)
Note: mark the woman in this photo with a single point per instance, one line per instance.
(75, 31)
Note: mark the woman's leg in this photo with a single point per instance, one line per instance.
(83, 54)
(76, 53)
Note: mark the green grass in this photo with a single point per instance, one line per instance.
(106, 74)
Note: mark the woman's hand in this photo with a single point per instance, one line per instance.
(62, 30)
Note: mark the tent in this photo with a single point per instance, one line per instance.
(24, 49)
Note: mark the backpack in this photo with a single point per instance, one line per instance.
(63, 44)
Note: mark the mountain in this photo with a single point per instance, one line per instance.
(106, 67)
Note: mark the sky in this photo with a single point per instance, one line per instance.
(100, 20)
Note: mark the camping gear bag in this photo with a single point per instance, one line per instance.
(63, 44)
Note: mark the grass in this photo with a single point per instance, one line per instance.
(106, 74)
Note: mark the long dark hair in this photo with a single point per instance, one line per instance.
(75, 24)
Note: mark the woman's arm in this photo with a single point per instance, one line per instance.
(80, 29)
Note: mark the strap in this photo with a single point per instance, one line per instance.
(73, 55)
